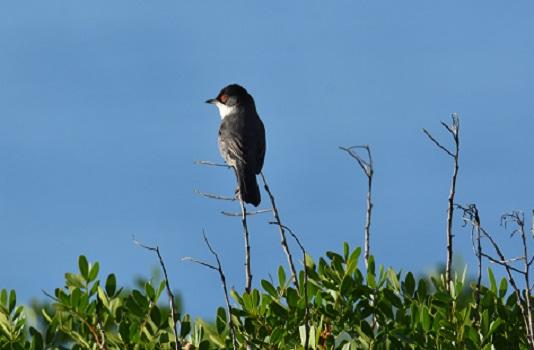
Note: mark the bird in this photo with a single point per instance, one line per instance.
(241, 139)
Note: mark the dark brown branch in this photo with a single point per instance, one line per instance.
(220, 270)
(454, 130)
(172, 306)
(368, 169)
(283, 240)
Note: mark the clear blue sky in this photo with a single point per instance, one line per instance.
(102, 114)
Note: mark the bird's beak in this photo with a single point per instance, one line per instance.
(211, 101)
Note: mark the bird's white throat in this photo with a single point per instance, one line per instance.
(225, 110)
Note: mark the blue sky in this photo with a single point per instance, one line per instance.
(102, 115)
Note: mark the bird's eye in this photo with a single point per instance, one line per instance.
(223, 98)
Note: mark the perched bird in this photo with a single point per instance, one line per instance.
(241, 139)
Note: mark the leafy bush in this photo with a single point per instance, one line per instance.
(342, 308)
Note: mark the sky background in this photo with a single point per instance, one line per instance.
(102, 115)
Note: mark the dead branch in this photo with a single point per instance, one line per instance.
(306, 311)
(283, 240)
(248, 272)
(172, 306)
(222, 276)
(249, 213)
(368, 169)
(454, 130)
(523, 301)
(215, 196)
(518, 218)
(471, 214)
(209, 163)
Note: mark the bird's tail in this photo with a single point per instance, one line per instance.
(248, 187)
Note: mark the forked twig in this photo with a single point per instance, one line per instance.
(368, 169)
(220, 270)
(454, 130)
(172, 306)
(283, 240)
(307, 310)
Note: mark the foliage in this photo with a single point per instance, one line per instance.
(343, 308)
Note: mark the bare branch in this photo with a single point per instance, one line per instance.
(283, 240)
(437, 143)
(222, 276)
(307, 311)
(249, 213)
(209, 163)
(454, 130)
(172, 306)
(471, 215)
(248, 272)
(215, 196)
(368, 169)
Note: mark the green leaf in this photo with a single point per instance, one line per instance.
(93, 273)
(3, 297)
(111, 285)
(279, 310)
(425, 318)
(155, 315)
(392, 277)
(346, 285)
(503, 287)
(494, 326)
(269, 288)
(74, 280)
(150, 292)
(346, 250)
(221, 320)
(408, 286)
(84, 267)
(493, 284)
(12, 301)
(185, 326)
(37, 340)
(292, 298)
(281, 276)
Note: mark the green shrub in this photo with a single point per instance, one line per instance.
(343, 308)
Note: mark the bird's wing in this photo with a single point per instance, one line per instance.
(260, 154)
(231, 148)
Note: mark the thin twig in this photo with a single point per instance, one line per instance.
(101, 343)
(306, 311)
(172, 306)
(471, 214)
(215, 196)
(519, 219)
(220, 270)
(454, 130)
(249, 213)
(207, 162)
(283, 240)
(368, 169)
(248, 272)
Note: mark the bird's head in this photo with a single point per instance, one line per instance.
(230, 99)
